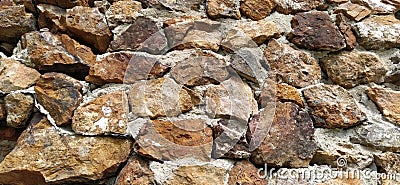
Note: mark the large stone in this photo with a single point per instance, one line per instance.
(353, 11)
(248, 63)
(160, 97)
(135, 172)
(333, 106)
(66, 3)
(50, 17)
(382, 137)
(350, 69)
(122, 12)
(291, 66)
(19, 108)
(245, 173)
(60, 95)
(14, 23)
(174, 140)
(290, 140)
(259, 31)
(223, 9)
(44, 156)
(388, 102)
(294, 6)
(377, 7)
(16, 76)
(257, 9)
(378, 32)
(316, 31)
(107, 114)
(89, 25)
(388, 162)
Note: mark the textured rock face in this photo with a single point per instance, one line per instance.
(67, 3)
(245, 172)
(122, 12)
(388, 162)
(345, 29)
(349, 69)
(379, 136)
(293, 67)
(16, 76)
(257, 9)
(223, 8)
(290, 139)
(378, 7)
(287, 93)
(354, 11)
(259, 31)
(378, 32)
(59, 94)
(294, 6)
(136, 171)
(388, 102)
(333, 107)
(19, 107)
(43, 156)
(15, 23)
(316, 31)
(183, 5)
(197, 174)
(50, 17)
(248, 63)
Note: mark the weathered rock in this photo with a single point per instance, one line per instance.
(291, 66)
(19, 108)
(377, 7)
(350, 69)
(248, 62)
(388, 102)
(160, 97)
(316, 31)
(259, 31)
(345, 29)
(235, 40)
(382, 137)
(16, 76)
(169, 141)
(245, 173)
(289, 141)
(42, 155)
(122, 12)
(89, 25)
(60, 95)
(107, 114)
(67, 3)
(223, 8)
(182, 5)
(135, 35)
(333, 106)
(203, 34)
(200, 68)
(136, 171)
(287, 93)
(50, 17)
(388, 162)
(14, 23)
(294, 6)
(257, 9)
(6, 146)
(378, 32)
(353, 11)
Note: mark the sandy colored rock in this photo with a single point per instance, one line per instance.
(19, 108)
(377, 7)
(257, 9)
(315, 30)
(259, 31)
(107, 114)
(6, 147)
(42, 156)
(287, 93)
(349, 69)
(333, 106)
(294, 6)
(135, 172)
(291, 66)
(388, 162)
(89, 25)
(60, 95)
(197, 175)
(14, 23)
(353, 11)
(223, 9)
(67, 3)
(16, 76)
(122, 12)
(388, 102)
(245, 173)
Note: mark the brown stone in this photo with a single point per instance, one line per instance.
(349, 69)
(89, 25)
(377, 7)
(67, 3)
(29, 5)
(316, 31)
(197, 174)
(14, 23)
(60, 95)
(16, 76)
(257, 9)
(345, 29)
(388, 102)
(353, 11)
(3, 113)
(291, 66)
(6, 146)
(259, 31)
(245, 173)
(160, 97)
(19, 108)
(122, 12)
(294, 6)
(42, 155)
(7, 3)
(289, 141)
(9, 133)
(287, 93)
(235, 40)
(135, 172)
(223, 8)
(333, 106)
(388, 162)
(50, 17)
(135, 35)
(166, 140)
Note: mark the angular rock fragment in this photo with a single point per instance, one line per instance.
(353, 11)
(14, 23)
(60, 95)
(248, 63)
(50, 17)
(294, 6)
(16, 76)
(245, 173)
(345, 29)
(287, 93)
(67, 3)
(19, 108)
(122, 12)
(377, 7)
(136, 171)
(259, 31)
(223, 9)
(388, 102)
(257, 9)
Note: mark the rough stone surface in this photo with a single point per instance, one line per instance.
(259, 31)
(294, 6)
(122, 12)
(244, 172)
(316, 31)
(66, 3)
(223, 8)
(197, 174)
(287, 93)
(333, 106)
(378, 32)
(382, 137)
(50, 17)
(182, 5)
(16, 76)
(107, 114)
(388, 102)
(345, 29)
(248, 63)
(388, 162)
(290, 139)
(353, 11)
(60, 95)
(44, 156)
(135, 172)
(349, 69)
(377, 7)
(89, 25)
(291, 66)
(257, 9)
(14, 23)
(19, 108)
